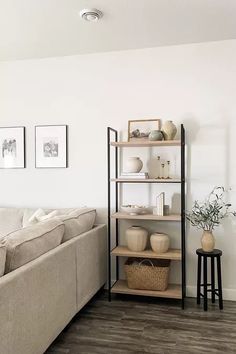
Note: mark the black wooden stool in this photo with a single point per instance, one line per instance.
(212, 255)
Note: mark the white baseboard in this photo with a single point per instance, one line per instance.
(228, 294)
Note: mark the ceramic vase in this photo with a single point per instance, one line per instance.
(169, 130)
(133, 165)
(136, 237)
(156, 135)
(208, 241)
(160, 243)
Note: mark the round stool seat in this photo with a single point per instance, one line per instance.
(214, 253)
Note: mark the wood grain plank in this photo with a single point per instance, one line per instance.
(173, 291)
(145, 180)
(123, 251)
(121, 215)
(146, 143)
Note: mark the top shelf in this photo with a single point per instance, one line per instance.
(146, 143)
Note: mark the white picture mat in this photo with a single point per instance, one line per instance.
(54, 133)
(9, 160)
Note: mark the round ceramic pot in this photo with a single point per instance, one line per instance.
(133, 165)
(136, 237)
(160, 243)
(208, 241)
(156, 135)
(169, 130)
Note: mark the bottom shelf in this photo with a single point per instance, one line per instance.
(173, 291)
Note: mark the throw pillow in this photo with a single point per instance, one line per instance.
(34, 218)
(77, 222)
(48, 216)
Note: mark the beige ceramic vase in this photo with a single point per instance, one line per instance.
(136, 237)
(169, 130)
(208, 241)
(160, 243)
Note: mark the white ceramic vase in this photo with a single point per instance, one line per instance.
(169, 130)
(136, 237)
(160, 243)
(208, 241)
(133, 165)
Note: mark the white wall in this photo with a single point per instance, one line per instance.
(194, 84)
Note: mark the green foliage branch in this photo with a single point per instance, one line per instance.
(209, 214)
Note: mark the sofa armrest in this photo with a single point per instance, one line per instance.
(91, 259)
(37, 301)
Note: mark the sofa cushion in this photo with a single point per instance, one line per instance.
(77, 221)
(31, 242)
(3, 253)
(10, 220)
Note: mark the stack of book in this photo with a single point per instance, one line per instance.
(139, 175)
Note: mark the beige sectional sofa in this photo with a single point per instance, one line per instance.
(40, 297)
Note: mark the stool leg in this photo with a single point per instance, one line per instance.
(199, 270)
(219, 283)
(213, 280)
(205, 282)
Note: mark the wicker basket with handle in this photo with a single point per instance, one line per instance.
(147, 274)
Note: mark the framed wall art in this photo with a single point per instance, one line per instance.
(12, 143)
(51, 146)
(140, 129)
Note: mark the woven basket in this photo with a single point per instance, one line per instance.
(146, 274)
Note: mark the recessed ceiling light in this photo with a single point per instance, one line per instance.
(91, 15)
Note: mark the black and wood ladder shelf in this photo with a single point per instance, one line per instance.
(174, 291)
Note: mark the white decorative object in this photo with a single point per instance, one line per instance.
(160, 201)
(133, 165)
(133, 209)
(169, 130)
(136, 237)
(160, 243)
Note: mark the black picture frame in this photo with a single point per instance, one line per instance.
(66, 165)
(23, 146)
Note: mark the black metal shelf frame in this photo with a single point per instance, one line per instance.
(113, 134)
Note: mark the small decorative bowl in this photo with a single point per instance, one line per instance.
(133, 209)
(156, 135)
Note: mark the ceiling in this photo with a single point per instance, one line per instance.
(45, 28)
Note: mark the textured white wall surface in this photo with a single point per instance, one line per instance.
(191, 84)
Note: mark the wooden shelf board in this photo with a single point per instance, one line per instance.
(147, 180)
(146, 143)
(123, 251)
(173, 291)
(121, 215)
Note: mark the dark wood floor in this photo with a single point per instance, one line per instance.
(133, 326)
